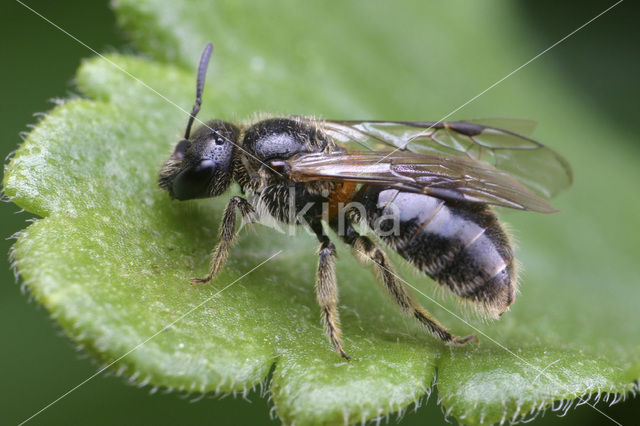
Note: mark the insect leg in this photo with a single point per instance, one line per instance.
(364, 250)
(226, 234)
(327, 289)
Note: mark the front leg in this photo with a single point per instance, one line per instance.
(327, 289)
(226, 235)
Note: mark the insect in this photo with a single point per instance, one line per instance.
(424, 188)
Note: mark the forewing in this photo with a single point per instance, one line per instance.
(448, 178)
(533, 164)
(521, 126)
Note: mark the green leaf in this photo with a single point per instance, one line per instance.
(112, 255)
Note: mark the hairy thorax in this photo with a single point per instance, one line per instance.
(268, 190)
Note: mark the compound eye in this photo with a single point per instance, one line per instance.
(195, 181)
(181, 148)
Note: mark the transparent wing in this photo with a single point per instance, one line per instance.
(521, 126)
(448, 178)
(536, 166)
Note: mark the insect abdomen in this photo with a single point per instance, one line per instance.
(460, 245)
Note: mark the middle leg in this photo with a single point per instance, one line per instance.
(327, 289)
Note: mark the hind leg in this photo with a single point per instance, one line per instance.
(366, 250)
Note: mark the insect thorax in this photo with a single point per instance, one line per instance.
(271, 193)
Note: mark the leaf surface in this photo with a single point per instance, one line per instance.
(112, 255)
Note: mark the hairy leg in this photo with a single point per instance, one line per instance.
(327, 289)
(226, 235)
(366, 250)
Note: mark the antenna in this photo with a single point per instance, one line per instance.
(202, 72)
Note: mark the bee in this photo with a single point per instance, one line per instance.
(425, 189)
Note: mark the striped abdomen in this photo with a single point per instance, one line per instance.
(460, 245)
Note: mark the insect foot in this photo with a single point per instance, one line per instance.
(459, 341)
(196, 281)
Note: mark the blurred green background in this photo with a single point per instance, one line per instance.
(38, 364)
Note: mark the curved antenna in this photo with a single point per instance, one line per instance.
(202, 72)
